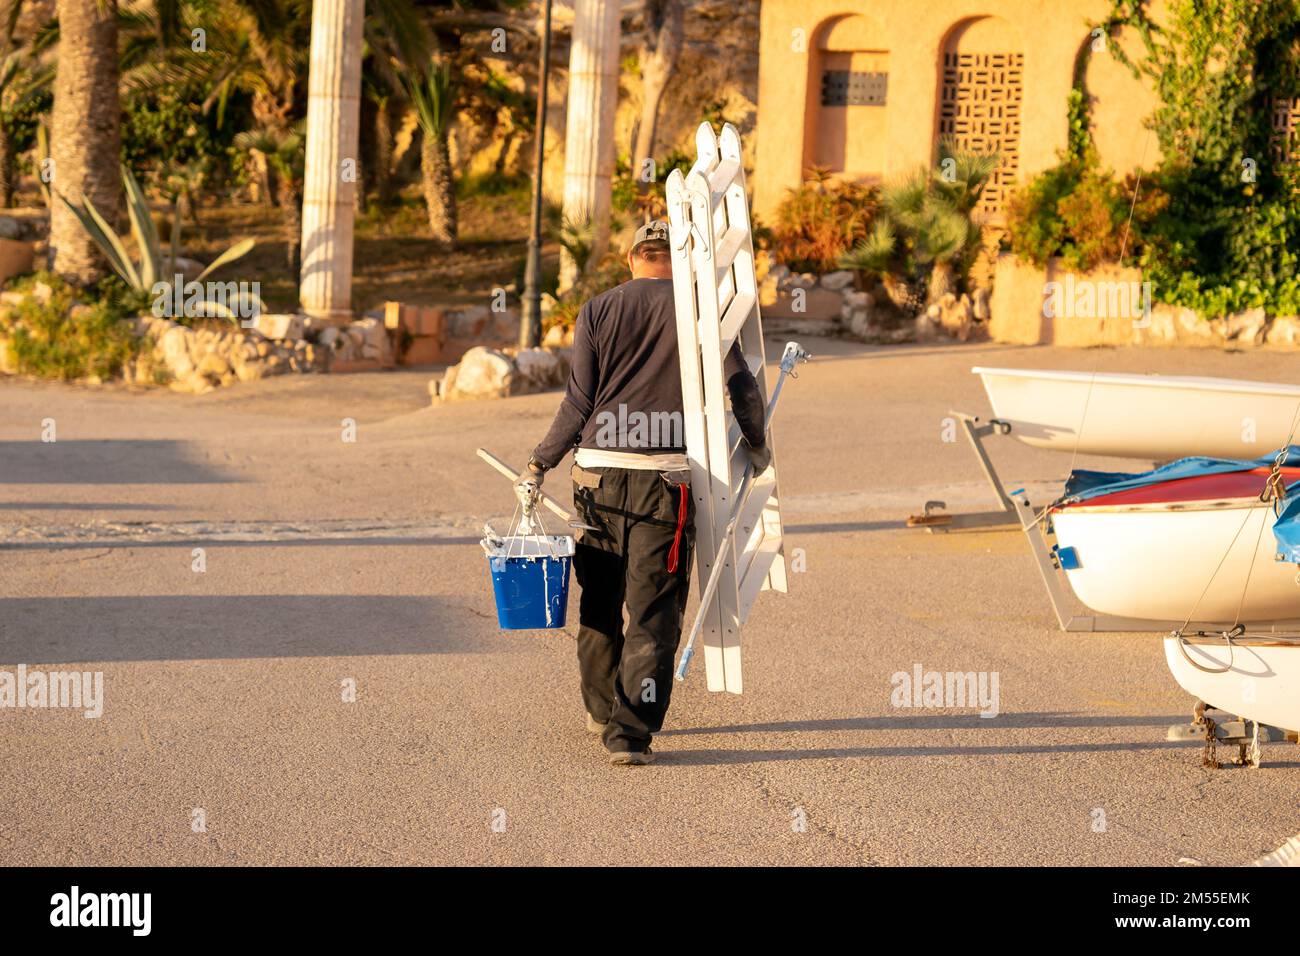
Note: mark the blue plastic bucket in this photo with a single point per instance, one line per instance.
(530, 579)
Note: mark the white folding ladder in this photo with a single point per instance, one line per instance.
(717, 304)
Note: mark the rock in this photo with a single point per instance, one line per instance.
(193, 383)
(328, 336)
(481, 373)
(859, 324)
(41, 292)
(213, 365)
(836, 281)
(1284, 331)
(1193, 330)
(1246, 328)
(537, 370)
(174, 351)
(189, 268)
(954, 316)
(373, 333)
(279, 325)
(926, 325)
(249, 371)
(980, 304)
(1162, 329)
(10, 228)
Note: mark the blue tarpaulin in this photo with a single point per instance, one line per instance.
(1083, 485)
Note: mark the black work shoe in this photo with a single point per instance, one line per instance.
(632, 758)
(594, 726)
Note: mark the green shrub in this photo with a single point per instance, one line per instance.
(817, 223)
(47, 340)
(1213, 231)
(630, 198)
(1079, 212)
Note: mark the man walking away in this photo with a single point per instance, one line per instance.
(623, 412)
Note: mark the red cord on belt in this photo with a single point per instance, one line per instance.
(675, 550)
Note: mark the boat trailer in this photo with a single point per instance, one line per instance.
(1213, 726)
(933, 519)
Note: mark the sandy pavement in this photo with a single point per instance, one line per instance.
(330, 562)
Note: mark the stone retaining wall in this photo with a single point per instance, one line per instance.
(1019, 315)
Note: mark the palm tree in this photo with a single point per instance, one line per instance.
(926, 236)
(84, 133)
(432, 95)
(11, 70)
(660, 49)
(282, 151)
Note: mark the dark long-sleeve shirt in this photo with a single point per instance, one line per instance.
(625, 387)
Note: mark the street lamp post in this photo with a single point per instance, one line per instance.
(530, 325)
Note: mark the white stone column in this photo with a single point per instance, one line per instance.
(589, 129)
(330, 179)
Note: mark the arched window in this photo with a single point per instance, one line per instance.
(981, 88)
(848, 87)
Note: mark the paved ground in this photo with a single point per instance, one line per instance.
(329, 560)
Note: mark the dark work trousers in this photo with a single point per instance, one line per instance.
(646, 521)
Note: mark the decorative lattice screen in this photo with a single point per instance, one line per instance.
(854, 88)
(1286, 129)
(980, 111)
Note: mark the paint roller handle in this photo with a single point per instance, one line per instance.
(513, 475)
(684, 663)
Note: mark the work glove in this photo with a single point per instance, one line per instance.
(529, 486)
(760, 456)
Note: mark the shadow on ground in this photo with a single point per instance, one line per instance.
(105, 462)
(109, 629)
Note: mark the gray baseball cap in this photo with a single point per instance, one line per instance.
(656, 231)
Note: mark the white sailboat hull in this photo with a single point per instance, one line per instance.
(1156, 417)
(1261, 681)
(1163, 564)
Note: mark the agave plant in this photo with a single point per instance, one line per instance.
(153, 270)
